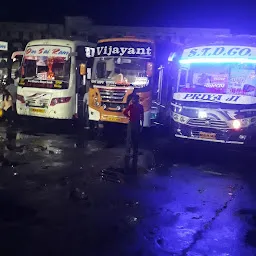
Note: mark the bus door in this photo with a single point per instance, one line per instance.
(165, 88)
(182, 78)
(16, 63)
(172, 77)
(84, 62)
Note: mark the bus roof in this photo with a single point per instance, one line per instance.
(127, 39)
(242, 40)
(60, 42)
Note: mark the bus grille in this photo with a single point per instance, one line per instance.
(38, 103)
(217, 124)
(112, 96)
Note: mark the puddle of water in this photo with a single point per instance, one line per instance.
(112, 175)
(182, 237)
(6, 163)
(214, 173)
(192, 209)
(11, 212)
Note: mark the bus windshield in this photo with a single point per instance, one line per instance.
(221, 78)
(45, 63)
(121, 70)
(46, 68)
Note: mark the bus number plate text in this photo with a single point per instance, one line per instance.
(207, 135)
(37, 110)
(111, 118)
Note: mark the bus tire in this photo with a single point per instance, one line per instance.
(83, 118)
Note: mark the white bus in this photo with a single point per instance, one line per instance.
(53, 78)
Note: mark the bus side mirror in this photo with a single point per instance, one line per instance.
(82, 69)
(183, 77)
(89, 73)
(17, 54)
(72, 54)
(149, 70)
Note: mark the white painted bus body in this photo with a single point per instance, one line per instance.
(54, 102)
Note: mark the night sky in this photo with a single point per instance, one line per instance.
(238, 15)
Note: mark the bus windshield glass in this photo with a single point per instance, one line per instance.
(119, 70)
(221, 78)
(123, 62)
(46, 63)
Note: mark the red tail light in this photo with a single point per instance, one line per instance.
(56, 101)
(20, 98)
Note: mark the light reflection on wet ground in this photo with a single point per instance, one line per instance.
(66, 195)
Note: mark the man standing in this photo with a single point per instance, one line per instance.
(12, 88)
(135, 113)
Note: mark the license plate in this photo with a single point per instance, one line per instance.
(112, 119)
(37, 110)
(207, 135)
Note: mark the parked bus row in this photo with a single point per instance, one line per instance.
(64, 79)
(204, 91)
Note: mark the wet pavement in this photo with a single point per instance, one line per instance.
(64, 193)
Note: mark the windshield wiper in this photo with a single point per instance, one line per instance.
(32, 77)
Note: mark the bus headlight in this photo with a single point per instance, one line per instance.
(182, 119)
(175, 117)
(96, 102)
(179, 118)
(20, 98)
(54, 102)
(240, 123)
(202, 114)
(236, 124)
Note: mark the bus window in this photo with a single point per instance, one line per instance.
(101, 68)
(183, 77)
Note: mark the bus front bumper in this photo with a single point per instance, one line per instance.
(228, 136)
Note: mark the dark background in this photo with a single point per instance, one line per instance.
(240, 16)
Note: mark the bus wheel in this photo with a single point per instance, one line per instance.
(171, 131)
(83, 117)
